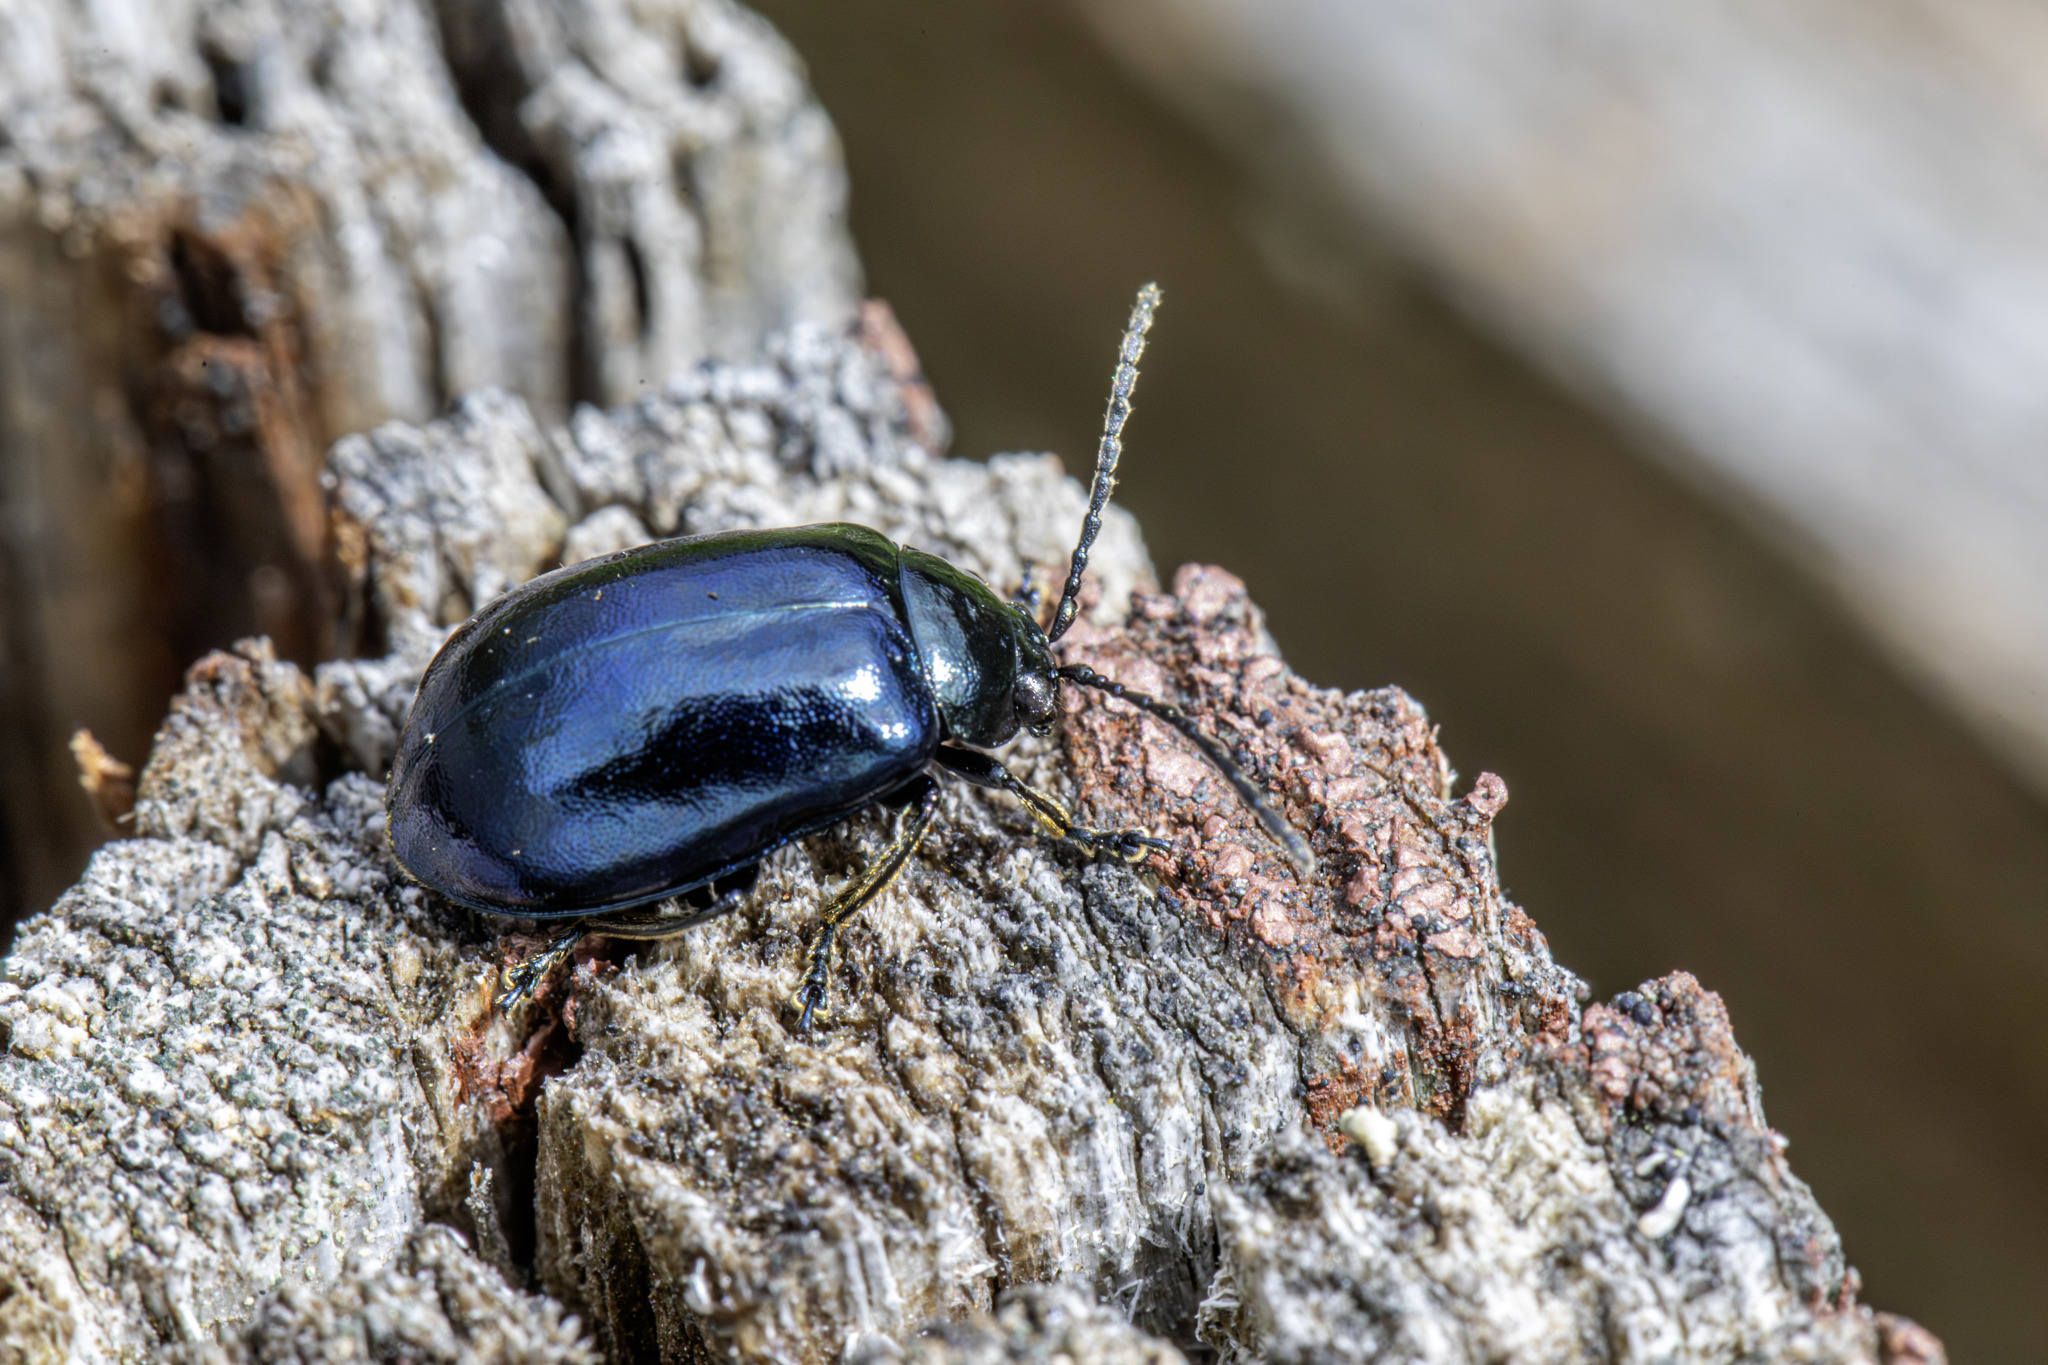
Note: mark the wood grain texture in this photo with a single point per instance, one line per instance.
(248, 1069)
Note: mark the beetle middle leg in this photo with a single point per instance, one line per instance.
(924, 812)
(667, 918)
(984, 771)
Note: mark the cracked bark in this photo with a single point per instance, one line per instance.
(249, 1070)
(254, 1104)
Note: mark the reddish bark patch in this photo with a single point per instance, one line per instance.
(1405, 914)
(508, 1088)
(234, 417)
(1327, 1097)
(883, 335)
(1668, 1052)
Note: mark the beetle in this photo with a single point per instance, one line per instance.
(614, 746)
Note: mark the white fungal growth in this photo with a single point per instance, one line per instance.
(1658, 1223)
(1373, 1131)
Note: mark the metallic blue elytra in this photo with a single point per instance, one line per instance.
(633, 727)
(617, 744)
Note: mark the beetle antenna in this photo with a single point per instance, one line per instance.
(1290, 840)
(1108, 453)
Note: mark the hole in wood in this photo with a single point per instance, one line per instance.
(209, 286)
(231, 93)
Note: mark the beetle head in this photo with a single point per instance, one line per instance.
(1035, 697)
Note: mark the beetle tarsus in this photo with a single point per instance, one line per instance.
(523, 980)
(1129, 845)
(816, 981)
(869, 884)
(976, 767)
(1136, 846)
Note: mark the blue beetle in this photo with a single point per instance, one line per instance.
(617, 744)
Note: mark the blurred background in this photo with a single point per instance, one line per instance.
(1660, 397)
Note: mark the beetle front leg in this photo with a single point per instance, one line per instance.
(984, 771)
(862, 889)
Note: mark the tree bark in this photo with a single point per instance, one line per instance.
(255, 1103)
(249, 1069)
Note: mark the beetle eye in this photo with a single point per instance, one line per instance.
(1036, 699)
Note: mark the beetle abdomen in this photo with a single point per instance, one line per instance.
(625, 730)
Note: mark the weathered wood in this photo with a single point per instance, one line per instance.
(254, 1102)
(1367, 1119)
(231, 233)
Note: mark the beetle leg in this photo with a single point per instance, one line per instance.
(869, 884)
(984, 771)
(522, 980)
(1027, 595)
(665, 919)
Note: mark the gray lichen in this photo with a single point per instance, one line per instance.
(1368, 1118)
